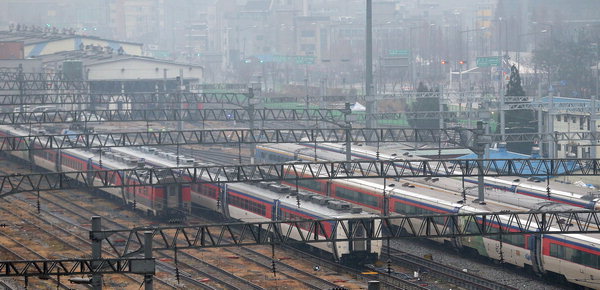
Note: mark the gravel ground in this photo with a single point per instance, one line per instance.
(505, 274)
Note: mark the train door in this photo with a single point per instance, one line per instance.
(125, 192)
(173, 198)
(455, 224)
(328, 189)
(89, 170)
(31, 154)
(276, 214)
(58, 161)
(223, 196)
(275, 210)
(359, 231)
(535, 244)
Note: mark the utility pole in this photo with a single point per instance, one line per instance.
(370, 103)
(96, 252)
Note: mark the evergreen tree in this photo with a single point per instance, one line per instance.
(425, 105)
(521, 120)
(514, 88)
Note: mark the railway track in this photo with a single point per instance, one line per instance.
(187, 261)
(388, 282)
(305, 279)
(72, 237)
(192, 263)
(21, 256)
(462, 279)
(454, 276)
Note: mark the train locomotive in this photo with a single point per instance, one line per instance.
(571, 257)
(167, 201)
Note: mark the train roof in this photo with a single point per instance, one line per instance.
(289, 200)
(286, 199)
(433, 187)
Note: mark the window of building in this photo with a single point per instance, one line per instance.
(307, 33)
(588, 124)
(558, 118)
(558, 147)
(307, 47)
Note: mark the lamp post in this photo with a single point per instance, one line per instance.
(413, 70)
(466, 57)
(386, 213)
(534, 44)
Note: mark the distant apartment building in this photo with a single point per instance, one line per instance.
(577, 119)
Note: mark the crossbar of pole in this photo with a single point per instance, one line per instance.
(67, 98)
(380, 228)
(212, 114)
(15, 183)
(253, 136)
(69, 267)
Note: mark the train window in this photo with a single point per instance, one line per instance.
(516, 240)
(575, 255)
(210, 191)
(557, 251)
(472, 227)
(590, 260)
(356, 196)
(286, 215)
(413, 210)
(249, 205)
(310, 184)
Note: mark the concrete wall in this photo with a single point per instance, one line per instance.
(135, 69)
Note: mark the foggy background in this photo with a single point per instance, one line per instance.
(321, 44)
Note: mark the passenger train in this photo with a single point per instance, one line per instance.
(167, 201)
(271, 201)
(554, 190)
(245, 202)
(573, 257)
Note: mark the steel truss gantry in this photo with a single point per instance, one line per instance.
(67, 267)
(69, 98)
(20, 81)
(15, 183)
(153, 115)
(23, 118)
(454, 136)
(376, 228)
(226, 136)
(470, 96)
(148, 239)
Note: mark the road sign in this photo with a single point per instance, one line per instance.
(488, 61)
(398, 52)
(297, 59)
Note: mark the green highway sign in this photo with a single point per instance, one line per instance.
(488, 61)
(398, 52)
(305, 59)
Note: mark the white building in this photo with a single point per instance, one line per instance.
(571, 116)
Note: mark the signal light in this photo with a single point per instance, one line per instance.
(462, 62)
(444, 61)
